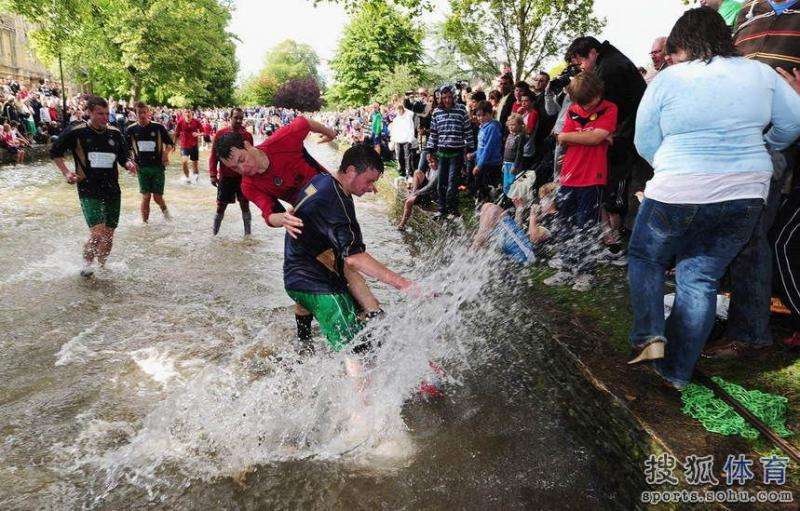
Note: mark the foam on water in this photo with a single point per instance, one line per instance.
(158, 366)
(228, 418)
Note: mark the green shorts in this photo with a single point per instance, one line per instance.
(335, 313)
(151, 179)
(101, 211)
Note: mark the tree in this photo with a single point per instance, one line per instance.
(401, 79)
(378, 38)
(302, 94)
(257, 90)
(157, 50)
(410, 7)
(290, 60)
(521, 32)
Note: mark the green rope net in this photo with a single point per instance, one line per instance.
(718, 417)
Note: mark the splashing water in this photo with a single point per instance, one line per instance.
(228, 419)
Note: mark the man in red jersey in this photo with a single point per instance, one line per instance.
(276, 169)
(187, 132)
(228, 181)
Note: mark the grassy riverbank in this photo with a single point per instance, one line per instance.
(594, 325)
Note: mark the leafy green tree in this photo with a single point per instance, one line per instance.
(378, 38)
(402, 78)
(523, 33)
(157, 50)
(257, 90)
(290, 60)
(410, 7)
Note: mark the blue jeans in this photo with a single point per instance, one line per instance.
(449, 175)
(702, 239)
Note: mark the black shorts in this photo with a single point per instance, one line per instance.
(229, 189)
(192, 152)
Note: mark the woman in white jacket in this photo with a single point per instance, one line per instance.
(401, 134)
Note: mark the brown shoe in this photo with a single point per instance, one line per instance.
(731, 349)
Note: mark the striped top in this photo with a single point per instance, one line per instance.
(766, 36)
(450, 130)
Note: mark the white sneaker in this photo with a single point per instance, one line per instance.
(185, 180)
(561, 278)
(583, 282)
(167, 215)
(620, 261)
(195, 177)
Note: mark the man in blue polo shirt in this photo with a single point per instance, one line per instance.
(329, 225)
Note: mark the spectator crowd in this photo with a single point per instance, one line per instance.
(684, 171)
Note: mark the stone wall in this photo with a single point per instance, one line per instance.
(17, 58)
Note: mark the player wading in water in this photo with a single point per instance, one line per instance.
(276, 170)
(325, 207)
(228, 181)
(97, 150)
(188, 132)
(150, 145)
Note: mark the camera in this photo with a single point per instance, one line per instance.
(558, 84)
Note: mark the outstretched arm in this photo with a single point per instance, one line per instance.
(368, 265)
(327, 133)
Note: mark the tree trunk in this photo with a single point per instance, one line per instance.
(136, 89)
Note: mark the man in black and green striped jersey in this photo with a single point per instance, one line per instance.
(150, 145)
(97, 149)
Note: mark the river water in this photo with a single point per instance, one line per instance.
(167, 381)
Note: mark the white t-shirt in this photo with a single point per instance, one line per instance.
(672, 188)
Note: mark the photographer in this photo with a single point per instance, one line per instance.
(624, 86)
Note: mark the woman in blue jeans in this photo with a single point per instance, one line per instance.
(700, 125)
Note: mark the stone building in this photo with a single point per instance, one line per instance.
(17, 58)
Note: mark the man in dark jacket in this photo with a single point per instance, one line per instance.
(624, 86)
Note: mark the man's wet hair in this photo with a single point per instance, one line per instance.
(363, 158)
(94, 101)
(226, 142)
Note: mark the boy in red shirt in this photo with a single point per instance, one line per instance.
(587, 132)
(277, 169)
(187, 132)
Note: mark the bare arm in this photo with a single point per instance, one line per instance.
(593, 137)
(368, 265)
(329, 134)
(70, 175)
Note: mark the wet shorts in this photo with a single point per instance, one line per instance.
(335, 313)
(193, 153)
(151, 179)
(229, 189)
(101, 211)
(513, 241)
